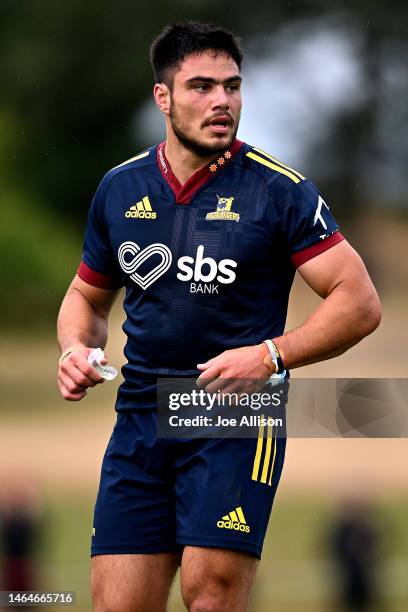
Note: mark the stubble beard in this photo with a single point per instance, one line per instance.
(193, 145)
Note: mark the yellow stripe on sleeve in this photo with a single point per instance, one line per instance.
(140, 156)
(275, 159)
(269, 164)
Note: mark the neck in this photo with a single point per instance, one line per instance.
(184, 163)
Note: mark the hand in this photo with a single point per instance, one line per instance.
(75, 374)
(241, 370)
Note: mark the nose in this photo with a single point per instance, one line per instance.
(220, 98)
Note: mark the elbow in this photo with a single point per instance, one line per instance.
(370, 314)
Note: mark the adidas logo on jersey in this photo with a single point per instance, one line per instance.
(141, 210)
(235, 520)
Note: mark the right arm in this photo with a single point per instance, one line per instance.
(82, 326)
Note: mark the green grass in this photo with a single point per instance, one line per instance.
(293, 575)
(65, 554)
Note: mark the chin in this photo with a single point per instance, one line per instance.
(204, 147)
(218, 142)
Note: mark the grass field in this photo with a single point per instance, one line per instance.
(294, 574)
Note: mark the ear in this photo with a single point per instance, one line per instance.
(162, 95)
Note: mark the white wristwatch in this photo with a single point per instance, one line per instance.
(276, 358)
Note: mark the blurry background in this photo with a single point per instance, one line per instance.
(325, 89)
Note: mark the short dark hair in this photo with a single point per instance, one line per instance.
(183, 38)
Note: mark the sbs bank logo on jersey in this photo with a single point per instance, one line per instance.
(204, 274)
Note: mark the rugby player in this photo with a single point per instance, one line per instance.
(205, 233)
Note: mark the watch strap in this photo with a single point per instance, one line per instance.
(275, 356)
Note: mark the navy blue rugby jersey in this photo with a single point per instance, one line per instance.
(208, 265)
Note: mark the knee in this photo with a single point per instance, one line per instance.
(214, 593)
(207, 603)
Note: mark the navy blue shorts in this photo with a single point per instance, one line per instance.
(158, 495)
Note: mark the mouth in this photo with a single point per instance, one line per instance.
(220, 124)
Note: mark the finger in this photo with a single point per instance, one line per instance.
(81, 379)
(70, 385)
(207, 364)
(80, 362)
(207, 376)
(218, 384)
(230, 388)
(90, 379)
(72, 373)
(69, 396)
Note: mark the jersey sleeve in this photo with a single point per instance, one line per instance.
(308, 225)
(98, 265)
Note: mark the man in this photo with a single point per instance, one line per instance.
(205, 233)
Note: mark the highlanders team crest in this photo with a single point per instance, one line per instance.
(223, 211)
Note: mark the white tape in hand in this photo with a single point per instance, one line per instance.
(94, 359)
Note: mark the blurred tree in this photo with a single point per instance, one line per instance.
(73, 74)
(358, 150)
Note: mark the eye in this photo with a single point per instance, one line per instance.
(201, 88)
(233, 87)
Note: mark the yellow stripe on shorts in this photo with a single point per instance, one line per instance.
(269, 459)
(267, 454)
(275, 443)
(258, 453)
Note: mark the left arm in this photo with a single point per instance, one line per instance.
(350, 310)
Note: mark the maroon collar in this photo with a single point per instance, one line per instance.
(185, 192)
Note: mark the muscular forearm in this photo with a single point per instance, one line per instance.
(344, 317)
(80, 323)
(349, 311)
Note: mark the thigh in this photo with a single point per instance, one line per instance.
(132, 583)
(217, 579)
(225, 491)
(135, 506)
